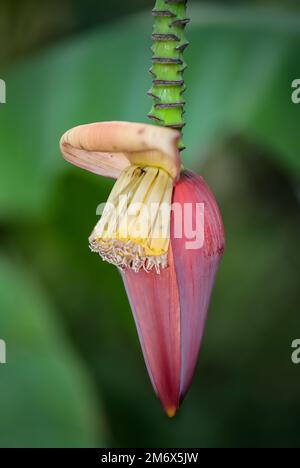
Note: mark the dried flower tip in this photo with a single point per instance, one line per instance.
(134, 230)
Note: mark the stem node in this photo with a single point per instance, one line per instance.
(168, 66)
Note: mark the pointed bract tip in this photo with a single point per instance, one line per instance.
(171, 411)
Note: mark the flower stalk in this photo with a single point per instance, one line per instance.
(168, 65)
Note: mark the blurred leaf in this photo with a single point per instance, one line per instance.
(241, 65)
(46, 399)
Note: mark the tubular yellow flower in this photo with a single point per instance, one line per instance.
(134, 230)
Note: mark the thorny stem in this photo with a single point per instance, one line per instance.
(168, 64)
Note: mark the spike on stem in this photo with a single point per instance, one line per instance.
(168, 64)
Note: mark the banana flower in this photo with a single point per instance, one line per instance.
(162, 228)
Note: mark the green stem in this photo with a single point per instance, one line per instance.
(168, 64)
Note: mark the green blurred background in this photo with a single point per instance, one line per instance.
(75, 376)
